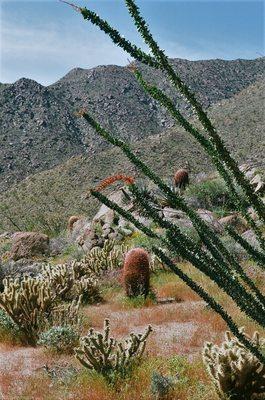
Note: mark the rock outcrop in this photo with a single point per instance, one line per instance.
(28, 245)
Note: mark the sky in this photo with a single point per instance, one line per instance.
(43, 40)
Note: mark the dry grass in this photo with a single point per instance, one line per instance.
(192, 383)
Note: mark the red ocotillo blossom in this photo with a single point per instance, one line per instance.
(128, 180)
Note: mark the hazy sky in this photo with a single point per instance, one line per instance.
(43, 40)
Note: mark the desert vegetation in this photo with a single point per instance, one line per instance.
(170, 356)
(161, 294)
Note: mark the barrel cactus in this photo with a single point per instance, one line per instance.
(136, 273)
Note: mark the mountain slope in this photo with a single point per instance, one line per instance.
(39, 129)
(50, 197)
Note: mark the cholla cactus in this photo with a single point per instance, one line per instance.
(155, 263)
(236, 373)
(100, 260)
(67, 282)
(88, 289)
(28, 303)
(33, 306)
(66, 315)
(109, 357)
(136, 272)
(60, 278)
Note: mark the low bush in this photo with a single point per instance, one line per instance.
(234, 248)
(210, 194)
(138, 239)
(139, 301)
(60, 339)
(161, 385)
(9, 331)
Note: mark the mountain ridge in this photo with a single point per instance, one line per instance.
(39, 129)
(57, 193)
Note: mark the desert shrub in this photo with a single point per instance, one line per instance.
(190, 232)
(161, 385)
(139, 301)
(234, 248)
(5, 246)
(236, 373)
(71, 251)
(138, 239)
(136, 273)
(60, 339)
(6, 322)
(111, 358)
(9, 331)
(210, 194)
(61, 374)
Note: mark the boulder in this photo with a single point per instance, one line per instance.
(79, 229)
(125, 231)
(184, 223)
(207, 216)
(233, 220)
(106, 232)
(109, 218)
(172, 213)
(58, 245)
(228, 220)
(28, 245)
(211, 220)
(249, 235)
(106, 227)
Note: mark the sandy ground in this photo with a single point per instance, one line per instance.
(174, 326)
(16, 365)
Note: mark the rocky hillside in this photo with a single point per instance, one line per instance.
(39, 129)
(49, 198)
